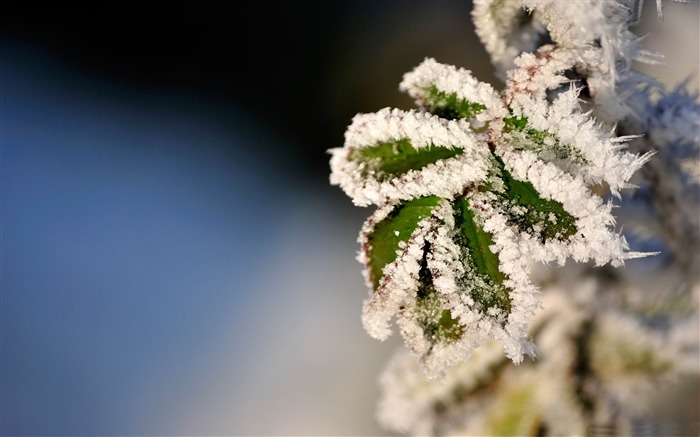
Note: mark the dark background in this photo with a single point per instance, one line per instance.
(304, 68)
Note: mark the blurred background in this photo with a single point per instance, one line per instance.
(174, 259)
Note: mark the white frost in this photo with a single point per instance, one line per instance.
(445, 178)
(452, 80)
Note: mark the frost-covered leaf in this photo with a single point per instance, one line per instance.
(387, 160)
(429, 264)
(435, 320)
(486, 396)
(384, 242)
(451, 92)
(488, 290)
(586, 23)
(399, 155)
(442, 281)
(545, 144)
(388, 235)
(531, 213)
(594, 358)
(595, 237)
(561, 130)
(393, 243)
(509, 28)
(506, 30)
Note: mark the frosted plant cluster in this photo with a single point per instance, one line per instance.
(596, 362)
(475, 189)
(476, 185)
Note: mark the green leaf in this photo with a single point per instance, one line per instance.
(383, 241)
(541, 142)
(448, 105)
(387, 160)
(436, 321)
(515, 123)
(487, 287)
(528, 211)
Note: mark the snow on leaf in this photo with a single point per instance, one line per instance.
(587, 23)
(393, 262)
(595, 237)
(390, 159)
(450, 106)
(436, 321)
(429, 263)
(451, 92)
(386, 237)
(506, 30)
(530, 213)
(545, 144)
(602, 158)
(484, 262)
(544, 70)
(374, 166)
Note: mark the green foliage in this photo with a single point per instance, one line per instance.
(383, 241)
(540, 141)
(527, 210)
(489, 291)
(437, 322)
(386, 160)
(448, 105)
